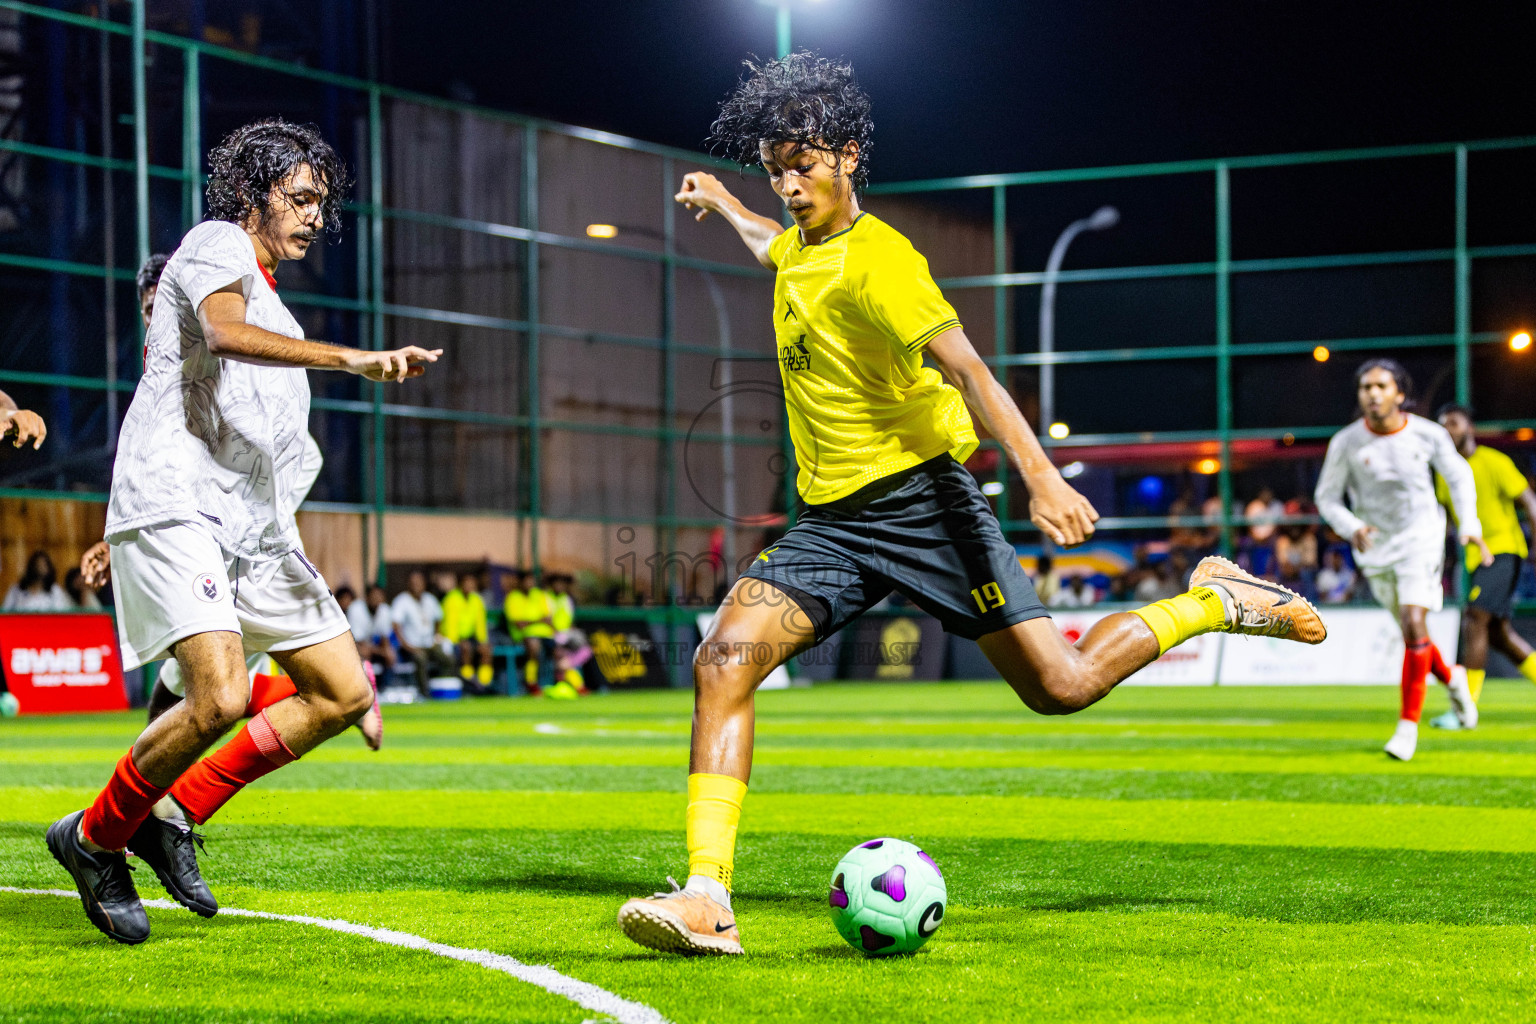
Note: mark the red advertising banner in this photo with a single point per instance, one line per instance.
(62, 664)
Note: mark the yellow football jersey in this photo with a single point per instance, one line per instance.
(852, 316)
(1499, 482)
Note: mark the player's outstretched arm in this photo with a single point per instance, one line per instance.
(21, 425)
(704, 193)
(1060, 512)
(222, 316)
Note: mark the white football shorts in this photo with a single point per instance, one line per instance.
(1409, 581)
(172, 580)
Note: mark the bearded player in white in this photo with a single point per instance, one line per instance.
(1382, 461)
(206, 557)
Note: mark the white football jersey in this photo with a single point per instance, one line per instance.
(209, 437)
(1389, 486)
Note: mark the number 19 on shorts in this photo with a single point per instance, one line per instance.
(988, 596)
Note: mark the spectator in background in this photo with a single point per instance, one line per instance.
(1047, 583)
(357, 618)
(1195, 540)
(418, 616)
(148, 283)
(1264, 511)
(571, 650)
(1076, 594)
(465, 626)
(38, 589)
(1336, 580)
(381, 628)
(1158, 584)
(80, 594)
(1296, 552)
(20, 425)
(529, 621)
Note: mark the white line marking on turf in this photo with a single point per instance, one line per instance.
(581, 993)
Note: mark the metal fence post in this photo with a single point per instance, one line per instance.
(376, 312)
(531, 314)
(1000, 322)
(1463, 286)
(668, 495)
(1224, 348)
(191, 140)
(140, 144)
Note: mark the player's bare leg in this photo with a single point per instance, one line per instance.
(757, 628)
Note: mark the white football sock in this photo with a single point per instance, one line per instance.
(710, 887)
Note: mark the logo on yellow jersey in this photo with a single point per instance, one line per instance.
(795, 356)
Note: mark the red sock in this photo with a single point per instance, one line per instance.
(120, 808)
(268, 690)
(1415, 673)
(255, 751)
(1437, 664)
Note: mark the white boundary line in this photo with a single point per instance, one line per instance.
(581, 993)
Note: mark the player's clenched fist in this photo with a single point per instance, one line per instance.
(21, 426)
(703, 192)
(1061, 513)
(395, 365)
(96, 564)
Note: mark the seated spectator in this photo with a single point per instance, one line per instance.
(81, 595)
(1076, 594)
(1195, 540)
(1296, 552)
(1158, 585)
(1263, 511)
(1336, 580)
(528, 614)
(38, 589)
(417, 616)
(357, 619)
(381, 629)
(1047, 583)
(465, 626)
(571, 647)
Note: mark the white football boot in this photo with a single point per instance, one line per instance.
(1461, 697)
(1404, 741)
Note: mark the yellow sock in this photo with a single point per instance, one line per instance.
(573, 677)
(531, 671)
(714, 808)
(467, 671)
(1475, 677)
(1176, 619)
(1528, 667)
(486, 675)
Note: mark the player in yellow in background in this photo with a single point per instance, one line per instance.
(528, 614)
(878, 436)
(1501, 487)
(464, 623)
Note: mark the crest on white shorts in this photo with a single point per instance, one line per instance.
(206, 587)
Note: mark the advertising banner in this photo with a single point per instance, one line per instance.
(62, 664)
(625, 655)
(1364, 648)
(894, 648)
(1192, 663)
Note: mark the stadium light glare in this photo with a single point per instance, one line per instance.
(992, 488)
(1059, 431)
(1520, 342)
(1525, 434)
(1072, 469)
(1321, 353)
(1208, 467)
(602, 231)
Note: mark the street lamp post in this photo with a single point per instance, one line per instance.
(1103, 217)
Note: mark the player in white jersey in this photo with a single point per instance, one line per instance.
(1382, 463)
(205, 552)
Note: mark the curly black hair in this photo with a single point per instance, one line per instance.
(804, 98)
(149, 274)
(1395, 368)
(250, 161)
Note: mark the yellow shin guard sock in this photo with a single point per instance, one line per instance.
(1475, 677)
(1176, 619)
(486, 675)
(467, 671)
(530, 672)
(1528, 668)
(714, 808)
(573, 677)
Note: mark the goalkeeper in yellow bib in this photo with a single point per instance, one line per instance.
(887, 505)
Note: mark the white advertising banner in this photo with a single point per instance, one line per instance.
(1364, 648)
(1193, 663)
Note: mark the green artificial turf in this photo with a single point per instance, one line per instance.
(1171, 854)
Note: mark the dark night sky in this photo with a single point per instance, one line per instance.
(964, 86)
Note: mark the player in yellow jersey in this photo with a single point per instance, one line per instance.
(887, 506)
(1491, 600)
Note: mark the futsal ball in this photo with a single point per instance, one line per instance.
(9, 705)
(887, 897)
